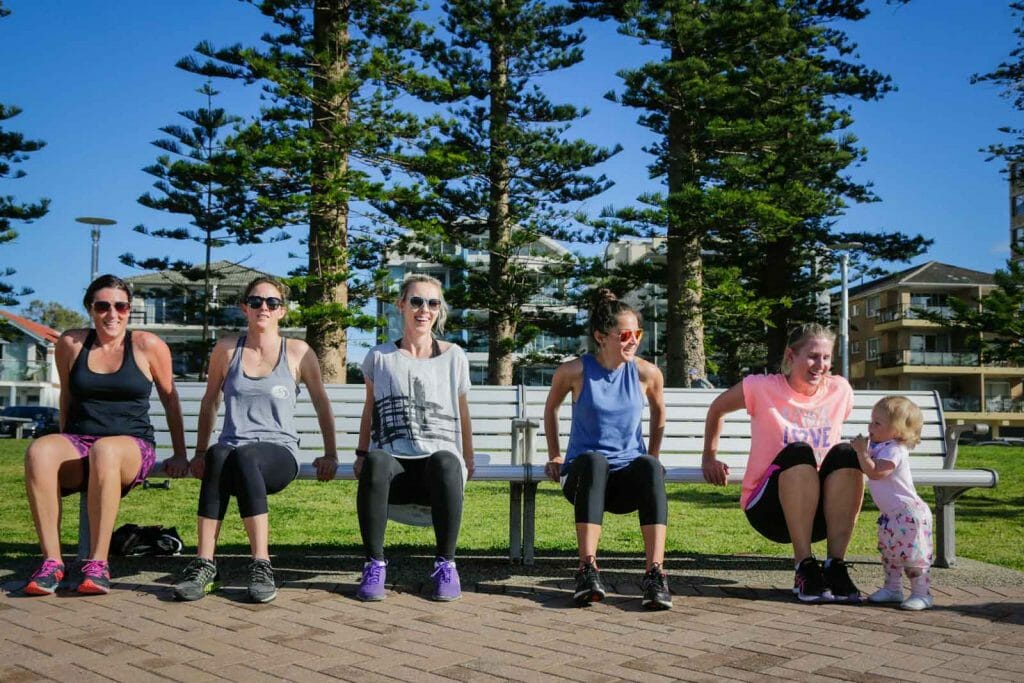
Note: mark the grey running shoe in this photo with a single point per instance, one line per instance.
(655, 587)
(261, 581)
(588, 585)
(198, 578)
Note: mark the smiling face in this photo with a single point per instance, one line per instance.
(261, 318)
(104, 312)
(809, 364)
(622, 341)
(419, 320)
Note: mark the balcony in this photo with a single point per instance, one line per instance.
(20, 371)
(973, 404)
(910, 312)
(895, 359)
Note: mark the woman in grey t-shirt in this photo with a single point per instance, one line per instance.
(415, 438)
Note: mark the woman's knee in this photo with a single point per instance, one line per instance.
(444, 464)
(376, 467)
(42, 456)
(107, 456)
(591, 463)
(650, 470)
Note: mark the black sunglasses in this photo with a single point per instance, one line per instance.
(273, 302)
(420, 302)
(104, 306)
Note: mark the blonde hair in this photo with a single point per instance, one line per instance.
(281, 287)
(412, 278)
(802, 334)
(905, 418)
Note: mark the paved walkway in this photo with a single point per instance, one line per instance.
(512, 628)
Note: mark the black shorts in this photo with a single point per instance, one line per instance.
(764, 509)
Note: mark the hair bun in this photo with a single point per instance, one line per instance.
(605, 295)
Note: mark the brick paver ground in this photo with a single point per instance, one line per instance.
(316, 631)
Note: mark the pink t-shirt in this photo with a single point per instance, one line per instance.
(780, 416)
(896, 492)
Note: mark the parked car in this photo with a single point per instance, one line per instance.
(1002, 441)
(44, 420)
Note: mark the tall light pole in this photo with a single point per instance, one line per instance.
(844, 302)
(95, 223)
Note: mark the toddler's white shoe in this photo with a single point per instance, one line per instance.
(917, 602)
(886, 595)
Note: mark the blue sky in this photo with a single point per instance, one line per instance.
(96, 81)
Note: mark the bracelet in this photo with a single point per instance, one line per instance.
(362, 452)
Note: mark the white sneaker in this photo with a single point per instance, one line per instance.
(886, 595)
(917, 603)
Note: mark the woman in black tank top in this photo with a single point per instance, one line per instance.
(106, 441)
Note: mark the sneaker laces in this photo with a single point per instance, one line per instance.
(260, 572)
(443, 571)
(93, 567)
(48, 568)
(655, 577)
(372, 571)
(194, 569)
(839, 577)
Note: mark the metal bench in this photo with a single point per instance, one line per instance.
(933, 462)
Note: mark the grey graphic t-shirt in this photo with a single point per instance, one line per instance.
(416, 400)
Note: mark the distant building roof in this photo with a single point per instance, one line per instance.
(32, 328)
(931, 273)
(224, 274)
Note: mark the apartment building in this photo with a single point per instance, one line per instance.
(893, 348)
(28, 367)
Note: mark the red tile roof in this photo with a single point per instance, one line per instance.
(36, 329)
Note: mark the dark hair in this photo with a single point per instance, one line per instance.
(105, 282)
(606, 309)
(281, 287)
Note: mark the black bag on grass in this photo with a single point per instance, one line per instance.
(135, 540)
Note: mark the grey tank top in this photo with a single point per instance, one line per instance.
(260, 408)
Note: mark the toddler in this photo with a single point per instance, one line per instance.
(905, 522)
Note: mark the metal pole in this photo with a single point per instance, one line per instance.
(95, 253)
(844, 317)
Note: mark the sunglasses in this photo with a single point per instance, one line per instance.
(255, 302)
(626, 335)
(420, 302)
(104, 306)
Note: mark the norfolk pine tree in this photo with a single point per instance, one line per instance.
(14, 149)
(202, 176)
(328, 134)
(499, 168)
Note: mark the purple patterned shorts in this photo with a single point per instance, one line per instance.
(83, 443)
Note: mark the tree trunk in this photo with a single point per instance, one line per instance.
(684, 272)
(775, 279)
(327, 292)
(501, 327)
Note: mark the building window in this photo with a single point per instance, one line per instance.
(1017, 205)
(854, 310)
(1018, 238)
(873, 305)
(854, 347)
(873, 346)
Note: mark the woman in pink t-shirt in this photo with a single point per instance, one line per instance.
(801, 484)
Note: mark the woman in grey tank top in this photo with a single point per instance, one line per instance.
(256, 453)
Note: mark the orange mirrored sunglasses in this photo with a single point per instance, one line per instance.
(626, 335)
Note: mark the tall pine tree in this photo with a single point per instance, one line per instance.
(14, 149)
(328, 135)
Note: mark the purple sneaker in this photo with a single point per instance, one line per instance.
(446, 581)
(371, 587)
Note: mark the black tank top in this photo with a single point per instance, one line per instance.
(113, 404)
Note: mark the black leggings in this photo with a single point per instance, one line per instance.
(250, 472)
(593, 489)
(435, 481)
(764, 509)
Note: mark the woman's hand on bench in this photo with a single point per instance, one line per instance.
(326, 467)
(176, 466)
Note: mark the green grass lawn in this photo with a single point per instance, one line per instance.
(703, 520)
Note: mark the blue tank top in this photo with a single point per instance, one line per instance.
(607, 415)
(260, 408)
(109, 404)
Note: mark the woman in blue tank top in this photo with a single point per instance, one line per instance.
(106, 442)
(256, 453)
(607, 466)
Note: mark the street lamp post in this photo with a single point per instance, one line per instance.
(844, 302)
(95, 223)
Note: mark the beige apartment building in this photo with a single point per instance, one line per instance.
(893, 348)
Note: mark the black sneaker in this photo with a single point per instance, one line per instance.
(809, 583)
(837, 578)
(197, 579)
(261, 581)
(588, 585)
(655, 587)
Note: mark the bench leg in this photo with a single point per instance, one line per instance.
(515, 522)
(529, 515)
(83, 526)
(945, 526)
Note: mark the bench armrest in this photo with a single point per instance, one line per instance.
(952, 438)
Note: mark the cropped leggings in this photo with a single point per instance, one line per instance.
(593, 489)
(250, 472)
(435, 481)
